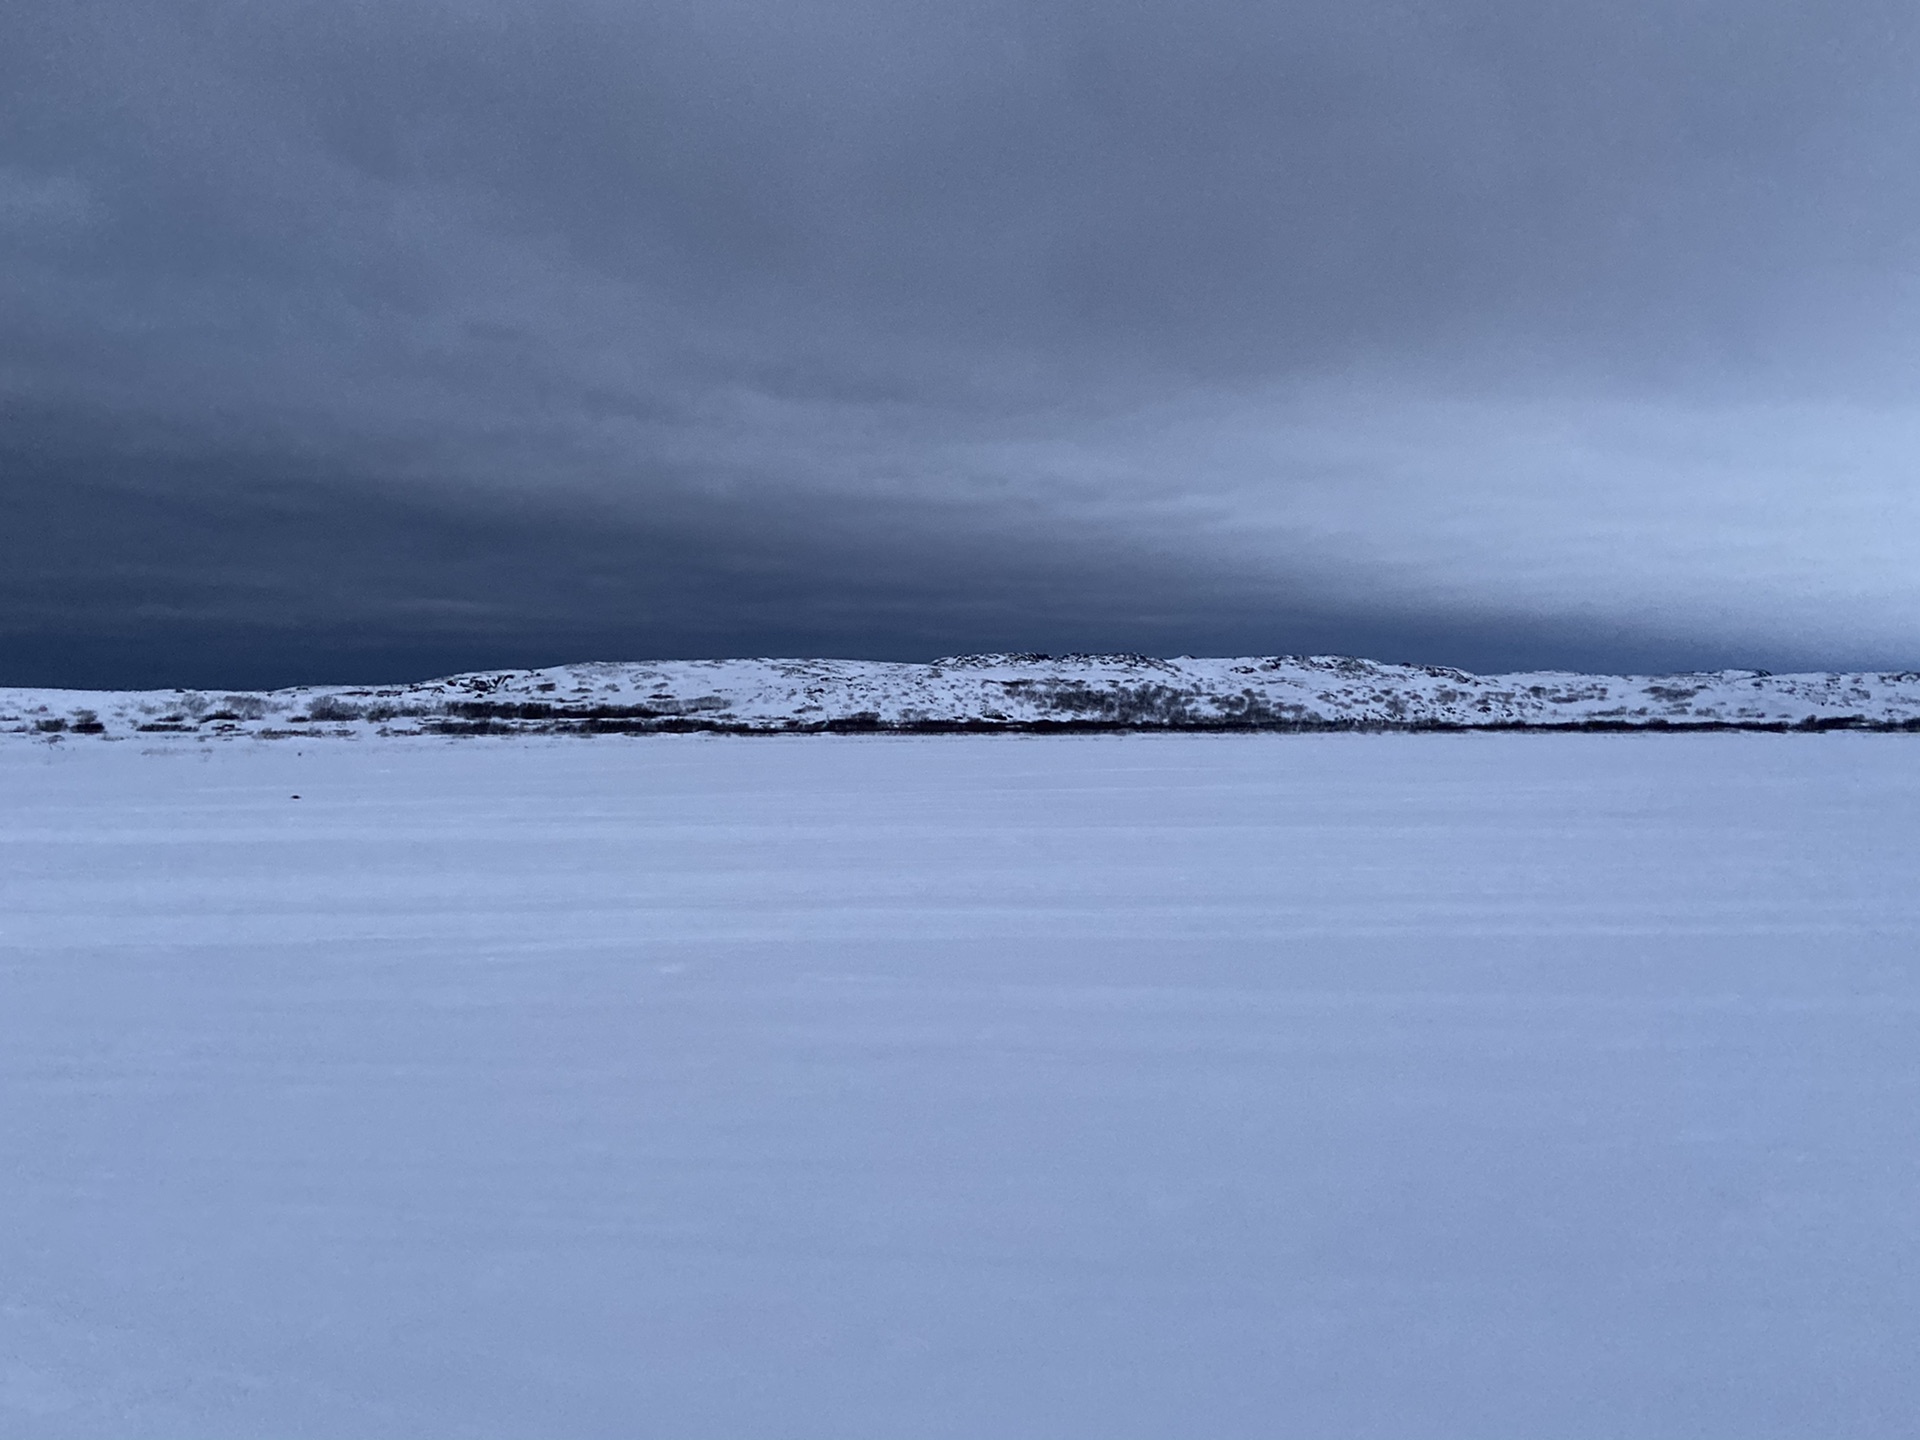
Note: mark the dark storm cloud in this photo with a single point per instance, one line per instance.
(1491, 332)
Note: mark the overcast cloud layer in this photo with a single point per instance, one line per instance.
(368, 340)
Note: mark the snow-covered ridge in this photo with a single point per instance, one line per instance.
(982, 692)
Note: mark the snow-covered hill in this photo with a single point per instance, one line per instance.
(985, 692)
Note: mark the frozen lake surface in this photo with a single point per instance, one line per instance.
(973, 1087)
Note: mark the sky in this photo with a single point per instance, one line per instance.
(376, 339)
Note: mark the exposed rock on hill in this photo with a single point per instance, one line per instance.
(987, 692)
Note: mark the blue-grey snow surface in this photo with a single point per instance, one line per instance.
(1476, 1085)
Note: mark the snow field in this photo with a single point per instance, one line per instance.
(1121, 1086)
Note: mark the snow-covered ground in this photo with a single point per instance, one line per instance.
(983, 692)
(1477, 1085)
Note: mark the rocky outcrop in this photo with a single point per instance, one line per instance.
(985, 693)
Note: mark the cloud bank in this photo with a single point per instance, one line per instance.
(366, 340)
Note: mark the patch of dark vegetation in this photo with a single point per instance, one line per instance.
(86, 722)
(50, 727)
(1836, 722)
(501, 710)
(1078, 709)
(580, 713)
(1811, 725)
(1114, 727)
(867, 724)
